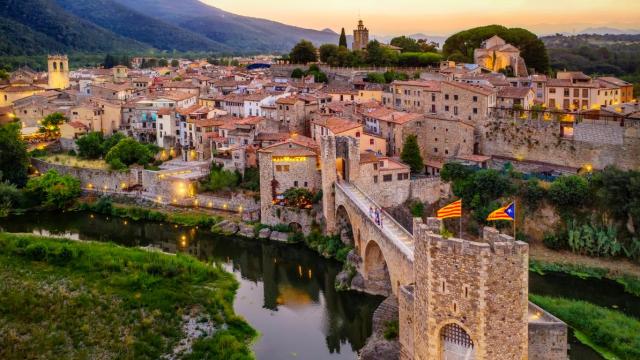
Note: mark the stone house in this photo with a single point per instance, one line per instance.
(418, 96)
(387, 123)
(335, 126)
(466, 101)
(495, 55)
(510, 97)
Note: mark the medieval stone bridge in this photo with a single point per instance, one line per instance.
(387, 250)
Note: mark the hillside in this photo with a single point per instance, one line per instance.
(34, 26)
(129, 23)
(242, 33)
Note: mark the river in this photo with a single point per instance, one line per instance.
(287, 291)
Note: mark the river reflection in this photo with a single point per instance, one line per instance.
(286, 292)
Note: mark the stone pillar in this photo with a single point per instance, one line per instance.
(329, 177)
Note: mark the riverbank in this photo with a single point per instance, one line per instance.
(624, 272)
(611, 333)
(82, 299)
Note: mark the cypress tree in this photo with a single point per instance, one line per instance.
(411, 154)
(343, 39)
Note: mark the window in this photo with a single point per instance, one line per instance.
(475, 99)
(446, 152)
(358, 134)
(295, 183)
(306, 184)
(455, 97)
(446, 108)
(552, 90)
(435, 150)
(375, 179)
(436, 139)
(372, 142)
(375, 166)
(446, 96)
(387, 178)
(566, 92)
(455, 110)
(475, 110)
(399, 176)
(433, 97)
(576, 92)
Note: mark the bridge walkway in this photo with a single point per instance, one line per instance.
(390, 227)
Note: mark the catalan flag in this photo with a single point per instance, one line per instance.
(504, 213)
(453, 210)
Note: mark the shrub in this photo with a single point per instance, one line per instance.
(10, 198)
(128, 152)
(554, 242)
(220, 179)
(532, 193)
(298, 197)
(391, 330)
(417, 209)
(569, 192)
(36, 251)
(90, 145)
(54, 190)
(251, 179)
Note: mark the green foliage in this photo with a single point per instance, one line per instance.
(90, 145)
(411, 154)
(554, 241)
(113, 288)
(612, 330)
(111, 141)
(297, 73)
(327, 52)
(391, 330)
(419, 59)
(220, 179)
(406, 43)
(251, 179)
(617, 193)
(377, 78)
(390, 76)
(569, 192)
(128, 152)
(53, 190)
(163, 62)
(328, 246)
(14, 161)
(342, 42)
(593, 240)
(378, 55)
(454, 171)
(460, 46)
(532, 193)
(175, 63)
(417, 209)
(10, 198)
(303, 53)
(298, 197)
(51, 123)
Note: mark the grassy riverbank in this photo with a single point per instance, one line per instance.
(611, 333)
(65, 299)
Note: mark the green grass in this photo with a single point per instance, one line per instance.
(611, 333)
(631, 283)
(76, 300)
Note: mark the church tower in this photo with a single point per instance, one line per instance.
(360, 37)
(58, 69)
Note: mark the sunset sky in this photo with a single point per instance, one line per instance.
(442, 17)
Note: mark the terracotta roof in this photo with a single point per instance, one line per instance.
(368, 157)
(514, 92)
(430, 85)
(291, 100)
(336, 125)
(396, 117)
(272, 136)
(479, 89)
(16, 89)
(77, 125)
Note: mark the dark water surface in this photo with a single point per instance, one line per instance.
(286, 291)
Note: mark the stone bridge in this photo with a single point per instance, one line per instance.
(386, 251)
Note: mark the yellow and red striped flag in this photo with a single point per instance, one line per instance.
(504, 213)
(453, 210)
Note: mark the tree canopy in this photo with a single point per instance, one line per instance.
(460, 46)
(303, 53)
(51, 123)
(128, 152)
(343, 39)
(14, 160)
(411, 154)
(53, 190)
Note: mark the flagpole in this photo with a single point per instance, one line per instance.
(515, 217)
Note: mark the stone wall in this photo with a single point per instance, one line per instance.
(91, 179)
(547, 336)
(543, 141)
(406, 321)
(463, 283)
(429, 189)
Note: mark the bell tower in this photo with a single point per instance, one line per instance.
(58, 70)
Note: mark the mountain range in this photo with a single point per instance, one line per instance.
(33, 27)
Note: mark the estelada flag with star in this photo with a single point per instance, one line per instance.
(453, 210)
(507, 213)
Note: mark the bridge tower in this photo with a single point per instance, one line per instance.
(469, 299)
(58, 71)
(329, 177)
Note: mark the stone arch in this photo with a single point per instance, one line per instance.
(55, 66)
(455, 342)
(295, 227)
(376, 272)
(61, 66)
(344, 226)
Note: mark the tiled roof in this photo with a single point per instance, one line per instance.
(336, 125)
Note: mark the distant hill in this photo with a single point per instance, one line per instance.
(435, 38)
(33, 27)
(608, 31)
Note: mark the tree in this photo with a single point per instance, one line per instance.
(380, 56)
(53, 190)
(14, 161)
(328, 52)
(163, 62)
(411, 154)
(342, 42)
(51, 123)
(407, 44)
(427, 46)
(128, 152)
(111, 141)
(303, 53)
(297, 73)
(220, 179)
(570, 191)
(10, 197)
(4, 75)
(175, 63)
(377, 78)
(109, 61)
(90, 145)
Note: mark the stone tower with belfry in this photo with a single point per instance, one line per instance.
(360, 37)
(58, 71)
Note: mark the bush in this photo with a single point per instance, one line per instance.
(251, 179)
(391, 330)
(90, 145)
(298, 197)
(569, 192)
(417, 59)
(554, 242)
(220, 179)
(53, 190)
(532, 193)
(128, 152)
(10, 198)
(36, 252)
(417, 209)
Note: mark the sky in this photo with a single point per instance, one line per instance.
(442, 17)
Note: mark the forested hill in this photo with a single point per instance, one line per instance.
(33, 27)
(617, 55)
